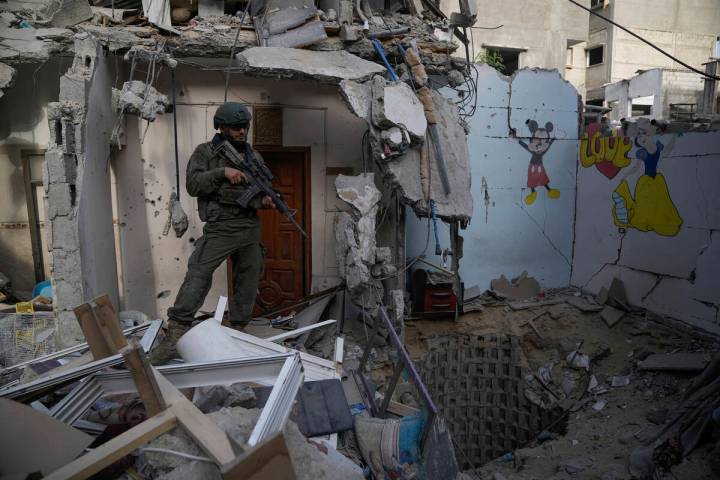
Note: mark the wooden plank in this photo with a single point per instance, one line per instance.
(401, 409)
(109, 323)
(144, 378)
(101, 327)
(95, 339)
(196, 424)
(269, 460)
(116, 448)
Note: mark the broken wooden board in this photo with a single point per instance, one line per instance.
(676, 362)
(583, 304)
(137, 363)
(180, 411)
(31, 441)
(269, 460)
(611, 315)
(101, 327)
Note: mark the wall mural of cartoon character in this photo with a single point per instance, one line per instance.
(539, 144)
(650, 208)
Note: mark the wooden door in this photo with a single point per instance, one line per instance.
(287, 264)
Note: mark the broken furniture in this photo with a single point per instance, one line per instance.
(404, 364)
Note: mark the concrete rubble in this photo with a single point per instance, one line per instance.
(7, 77)
(356, 243)
(138, 98)
(324, 67)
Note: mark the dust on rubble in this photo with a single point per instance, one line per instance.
(598, 442)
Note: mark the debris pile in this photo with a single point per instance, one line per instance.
(633, 398)
(237, 405)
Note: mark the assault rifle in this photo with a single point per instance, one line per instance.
(259, 179)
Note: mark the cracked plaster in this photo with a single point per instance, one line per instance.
(675, 276)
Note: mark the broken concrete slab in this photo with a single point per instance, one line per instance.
(66, 13)
(138, 98)
(357, 97)
(311, 32)
(324, 67)
(360, 192)
(215, 397)
(404, 170)
(583, 304)
(611, 315)
(7, 77)
(520, 288)
(678, 362)
(315, 460)
(394, 104)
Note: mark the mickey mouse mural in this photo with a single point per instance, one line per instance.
(539, 144)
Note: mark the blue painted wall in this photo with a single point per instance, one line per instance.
(507, 235)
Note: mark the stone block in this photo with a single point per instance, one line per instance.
(61, 168)
(65, 233)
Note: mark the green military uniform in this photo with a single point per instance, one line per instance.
(229, 231)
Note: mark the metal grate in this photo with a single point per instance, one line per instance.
(478, 384)
(26, 336)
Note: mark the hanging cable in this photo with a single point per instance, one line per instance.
(232, 50)
(177, 161)
(699, 72)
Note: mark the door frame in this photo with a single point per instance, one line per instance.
(32, 211)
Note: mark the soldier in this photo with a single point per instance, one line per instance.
(229, 231)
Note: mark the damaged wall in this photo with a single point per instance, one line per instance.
(154, 265)
(513, 230)
(23, 129)
(654, 223)
(77, 185)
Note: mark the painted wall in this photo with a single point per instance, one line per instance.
(154, 265)
(658, 234)
(511, 229)
(23, 127)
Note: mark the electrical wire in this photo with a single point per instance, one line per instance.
(232, 50)
(699, 72)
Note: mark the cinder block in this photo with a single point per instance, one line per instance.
(59, 200)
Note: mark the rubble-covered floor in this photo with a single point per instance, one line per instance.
(597, 443)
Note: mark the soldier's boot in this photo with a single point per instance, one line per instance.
(167, 349)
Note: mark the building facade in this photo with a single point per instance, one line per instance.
(688, 30)
(533, 33)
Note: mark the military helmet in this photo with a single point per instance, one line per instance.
(231, 114)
